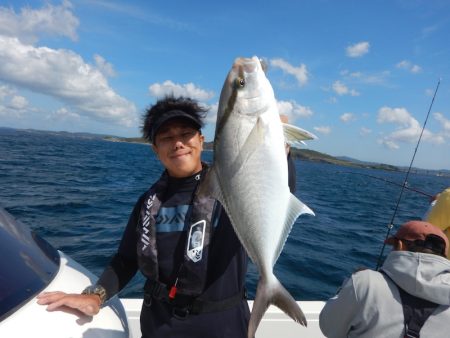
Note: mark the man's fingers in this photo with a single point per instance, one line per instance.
(57, 300)
(48, 294)
(49, 297)
(58, 303)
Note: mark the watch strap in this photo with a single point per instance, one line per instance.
(96, 290)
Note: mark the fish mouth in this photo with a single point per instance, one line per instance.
(248, 65)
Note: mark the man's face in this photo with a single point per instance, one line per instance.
(178, 146)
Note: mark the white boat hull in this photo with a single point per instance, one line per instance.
(33, 320)
(274, 324)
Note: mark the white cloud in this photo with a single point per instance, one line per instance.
(293, 110)
(63, 114)
(416, 69)
(300, 73)
(347, 117)
(445, 123)
(341, 89)
(188, 90)
(369, 78)
(212, 113)
(388, 143)
(103, 66)
(12, 104)
(429, 92)
(7, 112)
(411, 134)
(395, 115)
(323, 129)
(408, 66)
(18, 102)
(30, 23)
(5, 91)
(364, 131)
(403, 64)
(376, 78)
(64, 75)
(358, 49)
(408, 128)
(356, 75)
(373, 78)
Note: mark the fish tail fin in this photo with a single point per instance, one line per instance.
(270, 291)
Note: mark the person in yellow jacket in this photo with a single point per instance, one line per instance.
(439, 213)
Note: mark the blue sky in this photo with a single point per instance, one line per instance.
(359, 74)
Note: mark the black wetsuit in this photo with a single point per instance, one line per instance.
(227, 266)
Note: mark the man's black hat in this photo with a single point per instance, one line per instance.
(174, 114)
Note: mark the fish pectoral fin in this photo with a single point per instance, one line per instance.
(295, 209)
(298, 207)
(210, 186)
(294, 135)
(251, 144)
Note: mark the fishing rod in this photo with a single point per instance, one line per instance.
(391, 182)
(391, 223)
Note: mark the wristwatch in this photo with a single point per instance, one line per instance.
(96, 290)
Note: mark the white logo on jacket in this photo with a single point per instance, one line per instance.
(195, 241)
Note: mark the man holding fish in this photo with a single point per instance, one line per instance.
(190, 233)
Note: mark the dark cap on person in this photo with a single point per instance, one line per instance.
(417, 230)
(175, 114)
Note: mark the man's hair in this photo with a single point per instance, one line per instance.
(169, 103)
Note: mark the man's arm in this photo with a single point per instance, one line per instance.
(337, 316)
(123, 266)
(117, 274)
(292, 175)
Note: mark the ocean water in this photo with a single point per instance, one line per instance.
(77, 193)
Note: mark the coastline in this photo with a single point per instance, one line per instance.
(313, 156)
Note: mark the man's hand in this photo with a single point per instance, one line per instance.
(87, 304)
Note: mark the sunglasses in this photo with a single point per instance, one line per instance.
(431, 242)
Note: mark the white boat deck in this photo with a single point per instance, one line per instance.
(274, 324)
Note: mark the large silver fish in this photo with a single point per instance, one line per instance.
(249, 176)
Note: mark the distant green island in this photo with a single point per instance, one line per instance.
(315, 156)
(301, 154)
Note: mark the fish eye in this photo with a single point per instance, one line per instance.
(240, 82)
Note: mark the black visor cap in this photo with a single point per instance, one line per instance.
(175, 114)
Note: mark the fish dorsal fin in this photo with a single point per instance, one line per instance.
(295, 209)
(251, 144)
(294, 134)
